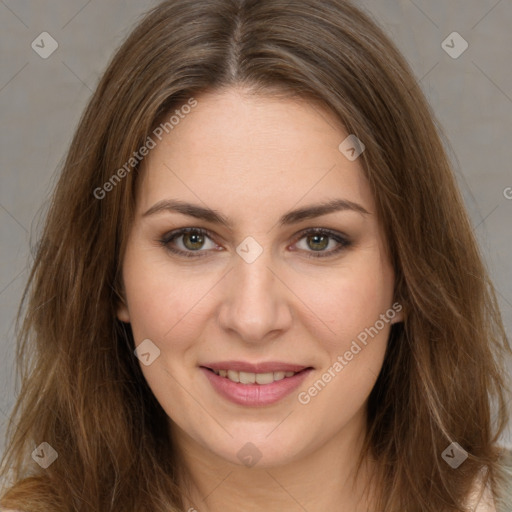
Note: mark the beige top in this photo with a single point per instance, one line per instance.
(481, 500)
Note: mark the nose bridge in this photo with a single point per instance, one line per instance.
(255, 303)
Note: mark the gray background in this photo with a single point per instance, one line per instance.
(41, 101)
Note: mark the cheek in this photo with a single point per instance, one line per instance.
(355, 301)
(350, 299)
(164, 307)
(161, 302)
(355, 353)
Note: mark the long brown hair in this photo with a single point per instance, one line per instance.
(82, 390)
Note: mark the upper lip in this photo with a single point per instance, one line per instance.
(266, 367)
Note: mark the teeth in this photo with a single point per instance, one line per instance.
(253, 378)
(234, 376)
(264, 378)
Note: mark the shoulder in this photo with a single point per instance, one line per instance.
(480, 498)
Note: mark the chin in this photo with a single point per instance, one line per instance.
(260, 451)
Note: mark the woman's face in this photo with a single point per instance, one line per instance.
(301, 318)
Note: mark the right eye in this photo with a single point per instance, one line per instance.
(189, 241)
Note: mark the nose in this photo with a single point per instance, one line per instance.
(256, 304)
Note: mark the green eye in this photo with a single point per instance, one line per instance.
(318, 242)
(319, 239)
(193, 240)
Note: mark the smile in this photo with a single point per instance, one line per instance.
(253, 378)
(254, 388)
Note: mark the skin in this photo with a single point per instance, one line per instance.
(253, 159)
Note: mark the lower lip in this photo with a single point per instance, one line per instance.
(255, 394)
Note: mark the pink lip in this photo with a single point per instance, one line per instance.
(255, 394)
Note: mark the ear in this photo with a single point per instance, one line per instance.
(122, 311)
(399, 313)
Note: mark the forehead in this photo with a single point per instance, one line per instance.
(263, 153)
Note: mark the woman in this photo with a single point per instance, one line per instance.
(258, 288)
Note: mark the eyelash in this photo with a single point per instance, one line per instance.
(166, 240)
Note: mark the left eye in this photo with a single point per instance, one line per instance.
(320, 240)
(191, 242)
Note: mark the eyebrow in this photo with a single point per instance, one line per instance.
(292, 217)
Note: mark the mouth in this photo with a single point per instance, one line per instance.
(254, 384)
